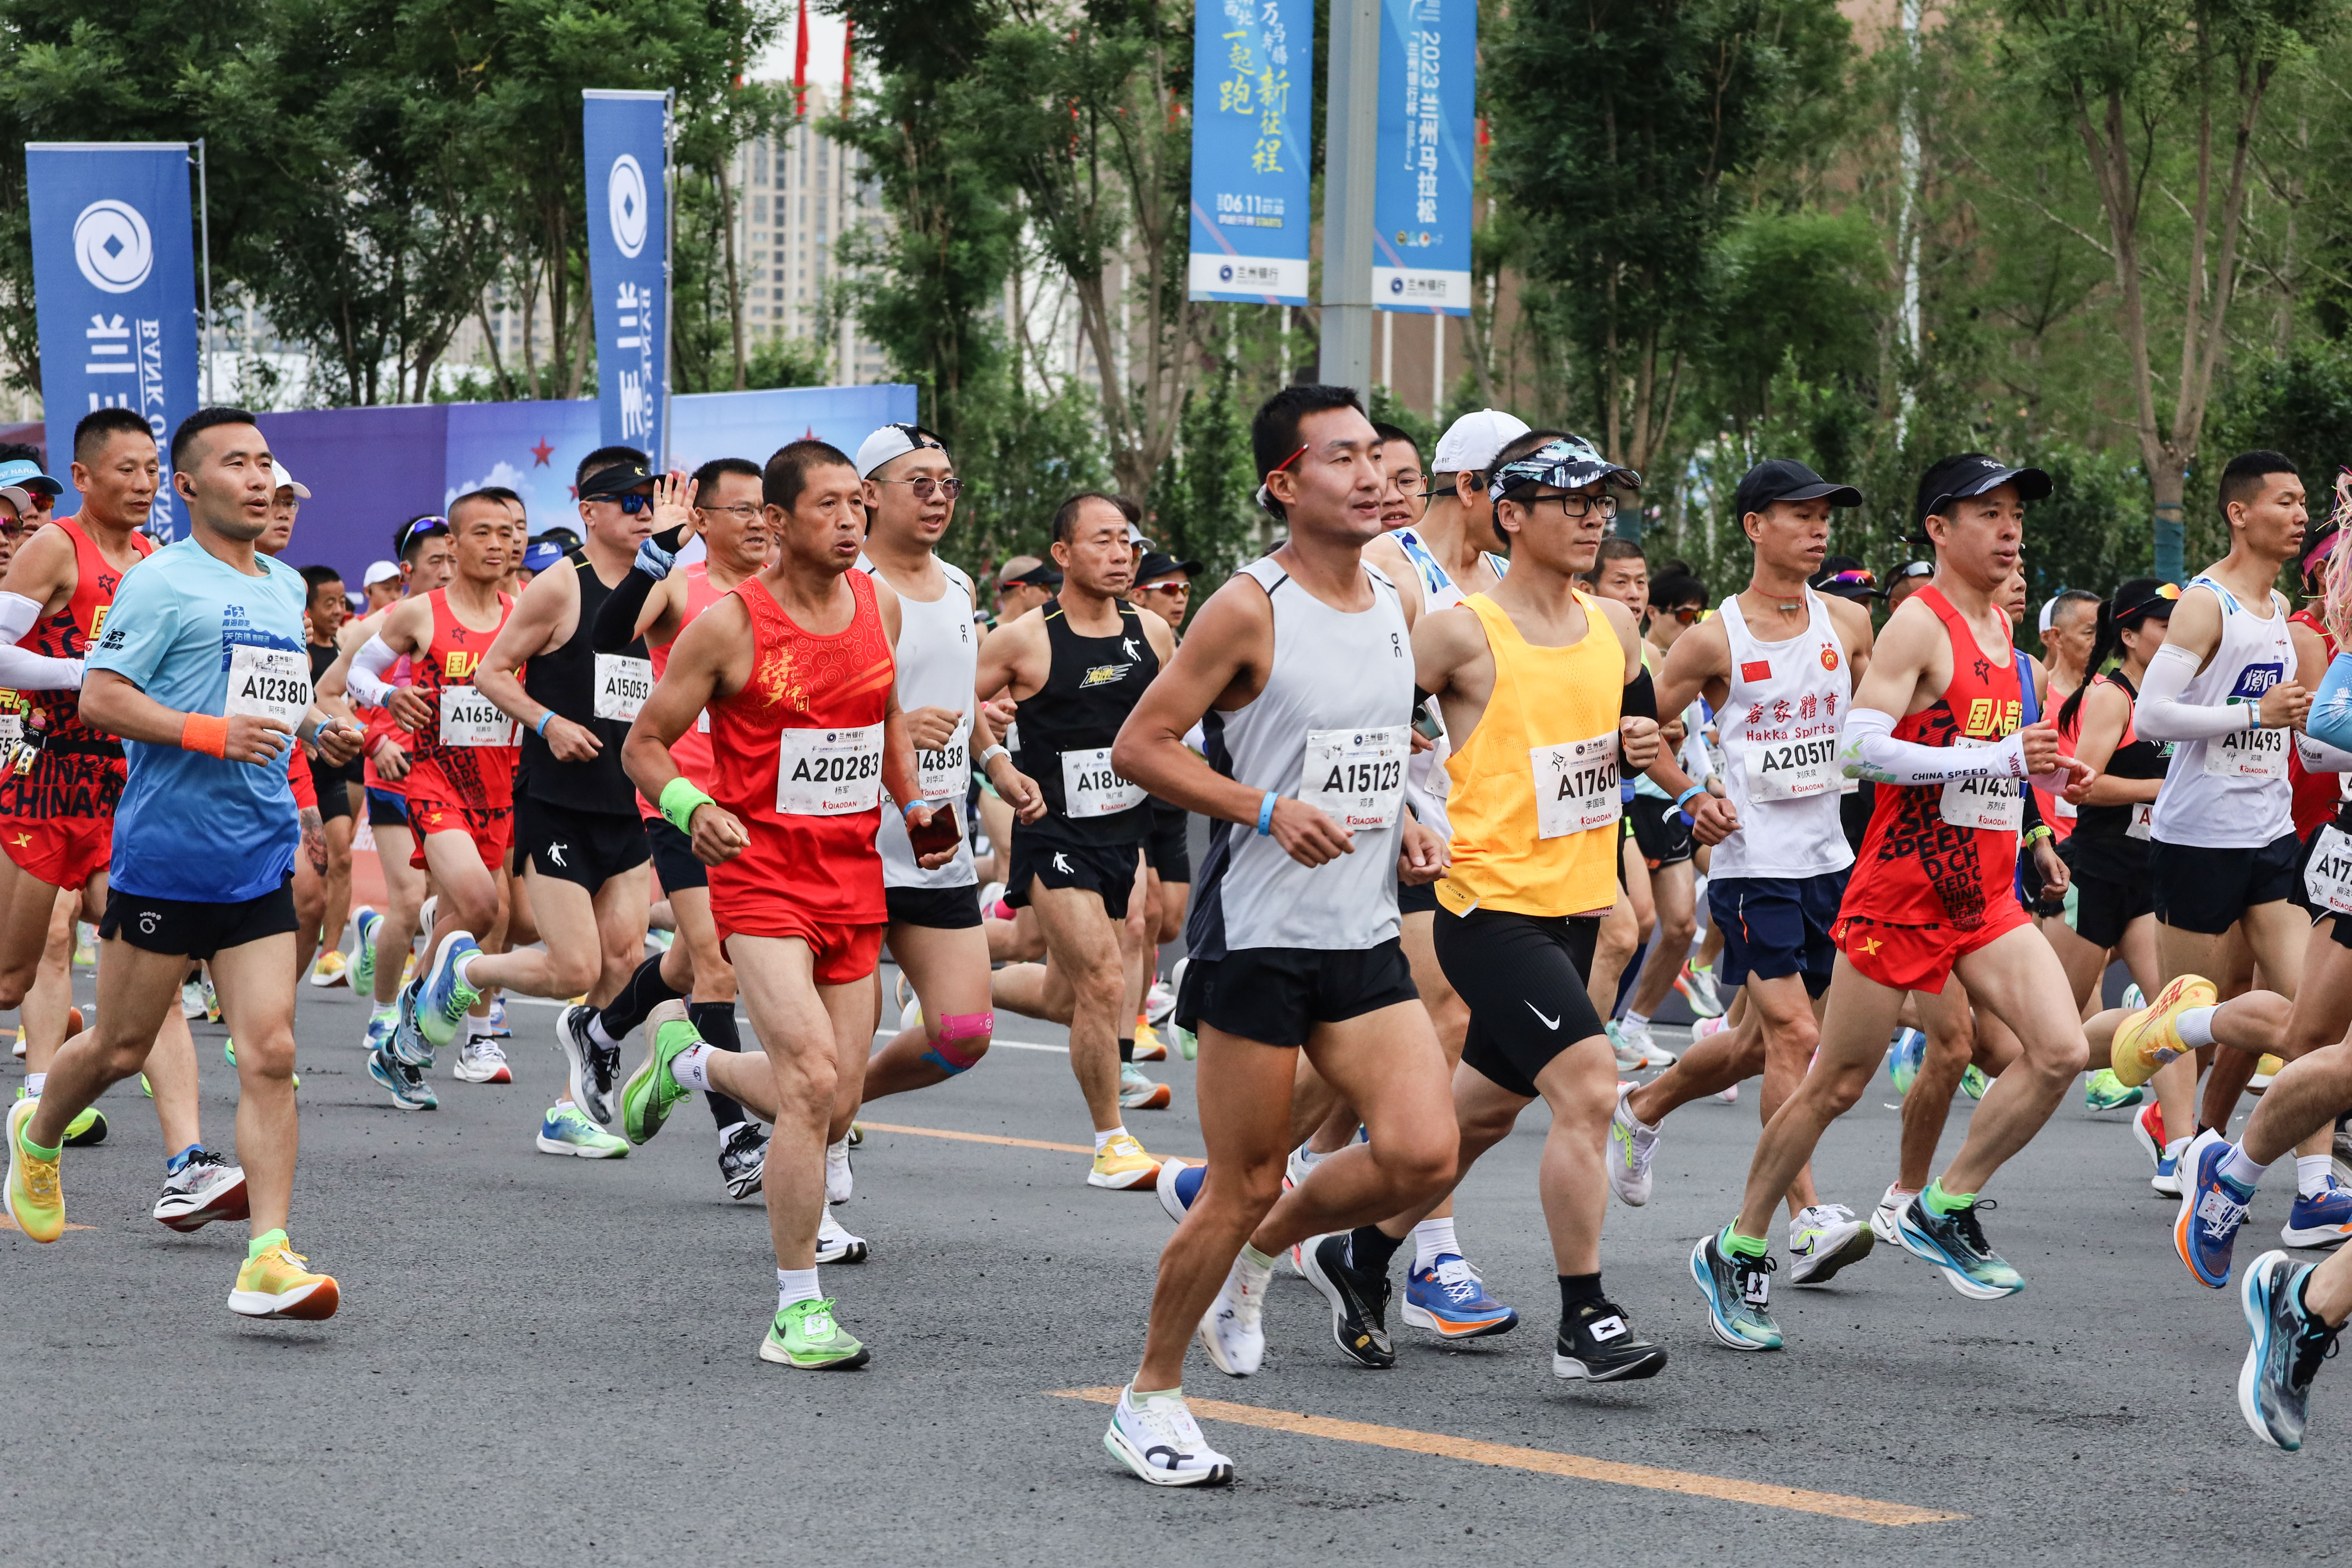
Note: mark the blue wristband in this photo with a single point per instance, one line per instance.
(908, 809)
(1265, 814)
(540, 729)
(1695, 789)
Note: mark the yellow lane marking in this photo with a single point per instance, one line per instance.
(8, 1224)
(979, 1138)
(1576, 1466)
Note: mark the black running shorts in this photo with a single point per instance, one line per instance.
(1107, 869)
(1522, 977)
(1166, 849)
(941, 909)
(2100, 910)
(2210, 890)
(1661, 830)
(587, 849)
(386, 808)
(1416, 898)
(1276, 995)
(187, 927)
(675, 863)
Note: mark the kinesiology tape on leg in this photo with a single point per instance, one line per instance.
(948, 1052)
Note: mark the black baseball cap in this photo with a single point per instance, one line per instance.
(1844, 577)
(1784, 478)
(1157, 565)
(1973, 474)
(1907, 571)
(618, 480)
(1039, 575)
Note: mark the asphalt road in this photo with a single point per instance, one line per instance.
(552, 1361)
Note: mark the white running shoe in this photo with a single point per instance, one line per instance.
(838, 1174)
(1636, 1037)
(1890, 1209)
(1234, 1329)
(1631, 1148)
(482, 1061)
(1294, 1171)
(191, 999)
(911, 1017)
(835, 1245)
(1729, 1095)
(1157, 1002)
(1824, 1239)
(1137, 1093)
(1160, 1441)
(904, 991)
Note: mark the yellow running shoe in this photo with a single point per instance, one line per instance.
(274, 1284)
(2151, 1037)
(331, 968)
(33, 1197)
(1122, 1164)
(1149, 1045)
(2269, 1068)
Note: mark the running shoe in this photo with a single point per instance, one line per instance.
(198, 1000)
(84, 1132)
(565, 1131)
(1889, 1214)
(2151, 1037)
(1698, 986)
(653, 1089)
(2167, 1180)
(1636, 1037)
(911, 1017)
(2289, 1343)
(1149, 1045)
(1973, 1082)
(1160, 1441)
(1629, 1056)
(1178, 1183)
(32, 1196)
(380, 1028)
(404, 1082)
(2103, 1091)
(744, 1160)
(2147, 1130)
(445, 998)
(1188, 1044)
(408, 1042)
(1360, 1302)
(2266, 1068)
(835, 1245)
(1596, 1344)
(204, 1188)
(1631, 1148)
(1450, 1300)
(2323, 1220)
(1904, 1055)
(804, 1335)
(2213, 1207)
(1729, 1095)
(857, 1135)
(481, 1059)
(1158, 1002)
(276, 1284)
(366, 923)
(496, 1017)
(228, 1055)
(1955, 1243)
(840, 1175)
(1121, 1164)
(1825, 1239)
(1739, 1292)
(331, 968)
(1137, 1093)
(590, 1068)
(1233, 1330)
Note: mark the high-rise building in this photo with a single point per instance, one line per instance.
(799, 193)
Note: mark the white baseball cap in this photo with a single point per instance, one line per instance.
(1471, 441)
(283, 480)
(21, 498)
(381, 572)
(893, 441)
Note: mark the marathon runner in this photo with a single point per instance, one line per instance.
(309, 884)
(201, 667)
(1163, 585)
(1301, 677)
(1934, 721)
(1076, 667)
(795, 668)
(322, 617)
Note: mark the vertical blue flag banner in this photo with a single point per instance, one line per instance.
(1252, 88)
(1420, 203)
(625, 136)
(114, 293)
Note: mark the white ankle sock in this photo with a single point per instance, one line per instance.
(33, 1082)
(690, 1069)
(597, 1033)
(2311, 1173)
(1636, 1020)
(2195, 1025)
(1103, 1139)
(1310, 1157)
(1432, 1239)
(463, 968)
(1260, 1267)
(2242, 1169)
(728, 1132)
(796, 1285)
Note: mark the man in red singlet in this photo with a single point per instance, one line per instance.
(796, 670)
(1934, 723)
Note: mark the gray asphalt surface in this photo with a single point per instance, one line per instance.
(552, 1361)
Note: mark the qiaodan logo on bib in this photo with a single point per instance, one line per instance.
(624, 194)
(112, 246)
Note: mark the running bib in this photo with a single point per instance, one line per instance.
(941, 774)
(1089, 788)
(2138, 827)
(268, 683)
(1356, 778)
(1997, 805)
(829, 773)
(2248, 755)
(623, 684)
(2327, 877)
(1791, 770)
(470, 719)
(1576, 785)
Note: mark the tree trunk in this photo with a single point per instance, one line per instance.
(734, 282)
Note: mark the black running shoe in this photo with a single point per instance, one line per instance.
(744, 1160)
(1360, 1303)
(2274, 1383)
(1597, 1344)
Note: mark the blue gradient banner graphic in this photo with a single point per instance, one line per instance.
(1252, 88)
(625, 138)
(1420, 203)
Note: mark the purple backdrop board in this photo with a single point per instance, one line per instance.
(368, 470)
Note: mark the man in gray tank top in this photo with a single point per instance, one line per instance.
(1301, 671)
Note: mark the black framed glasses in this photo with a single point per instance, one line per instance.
(926, 487)
(1576, 508)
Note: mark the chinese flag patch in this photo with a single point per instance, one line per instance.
(1756, 670)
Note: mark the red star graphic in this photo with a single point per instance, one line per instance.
(541, 452)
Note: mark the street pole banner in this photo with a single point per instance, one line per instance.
(1420, 203)
(114, 295)
(626, 137)
(1250, 203)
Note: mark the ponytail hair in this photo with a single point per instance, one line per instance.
(2134, 603)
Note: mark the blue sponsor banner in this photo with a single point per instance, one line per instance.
(114, 291)
(625, 138)
(1421, 203)
(1252, 88)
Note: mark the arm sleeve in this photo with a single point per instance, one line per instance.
(2033, 818)
(364, 679)
(2330, 722)
(1641, 699)
(616, 621)
(2160, 715)
(1870, 751)
(2319, 757)
(22, 670)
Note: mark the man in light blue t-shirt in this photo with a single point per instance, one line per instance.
(203, 671)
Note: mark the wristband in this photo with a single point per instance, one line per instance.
(1695, 789)
(990, 755)
(1265, 814)
(679, 801)
(2253, 715)
(2037, 833)
(906, 809)
(540, 729)
(204, 732)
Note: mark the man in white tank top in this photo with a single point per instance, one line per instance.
(1300, 669)
(1778, 663)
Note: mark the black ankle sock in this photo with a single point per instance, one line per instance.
(1127, 1050)
(1369, 1249)
(1576, 1290)
(715, 1022)
(645, 992)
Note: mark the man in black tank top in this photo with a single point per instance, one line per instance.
(1075, 667)
(579, 841)
(323, 613)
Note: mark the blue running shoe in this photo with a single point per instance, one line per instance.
(443, 998)
(380, 1026)
(1447, 1299)
(407, 1043)
(1178, 1184)
(498, 1017)
(2213, 1207)
(1955, 1243)
(366, 922)
(2166, 1179)
(1739, 1292)
(2321, 1221)
(2274, 1383)
(1902, 1060)
(404, 1082)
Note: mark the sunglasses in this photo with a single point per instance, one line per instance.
(926, 487)
(1167, 588)
(418, 528)
(1851, 578)
(629, 502)
(1686, 614)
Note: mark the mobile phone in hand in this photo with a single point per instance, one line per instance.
(940, 834)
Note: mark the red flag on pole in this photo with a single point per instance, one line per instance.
(800, 67)
(848, 29)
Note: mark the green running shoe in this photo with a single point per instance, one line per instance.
(366, 922)
(566, 1129)
(1973, 1082)
(653, 1089)
(2103, 1091)
(804, 1335)
(83, 1131)
(229, 1049)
